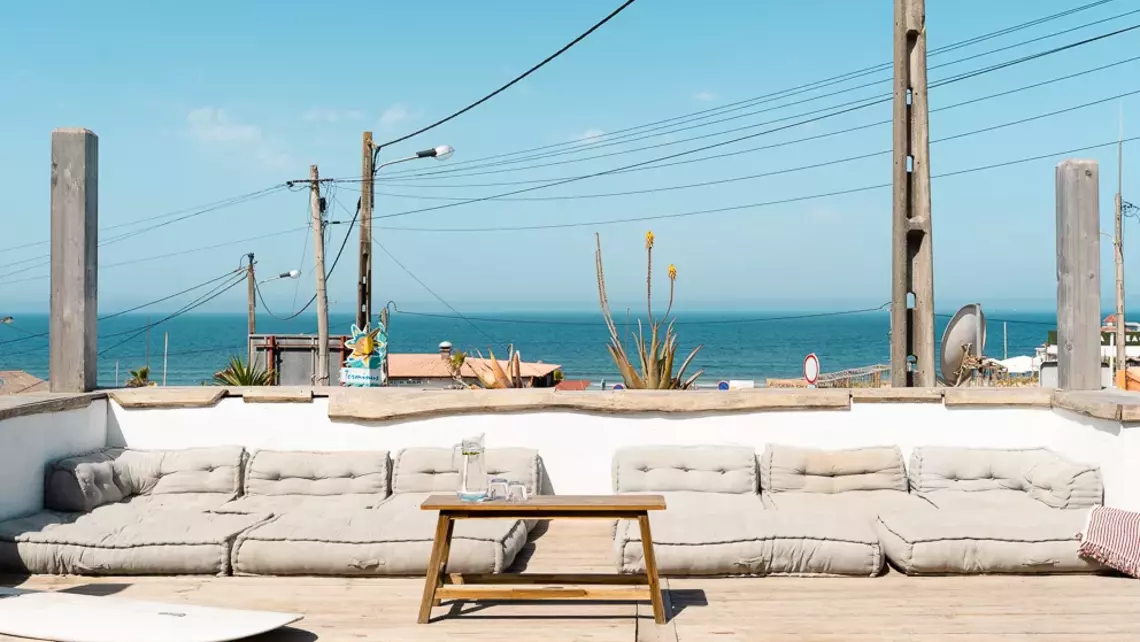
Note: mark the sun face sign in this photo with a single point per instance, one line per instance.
(364, 366)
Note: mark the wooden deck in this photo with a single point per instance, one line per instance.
(893, 607)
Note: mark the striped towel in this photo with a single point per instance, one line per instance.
(1112, 537)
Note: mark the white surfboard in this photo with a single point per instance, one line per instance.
(67, 617)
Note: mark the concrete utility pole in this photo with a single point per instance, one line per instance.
(1118, 247)
(251, 285)
(912, 254)
(1078, 275)
(364, 285)
(73, 347)
(321, 377)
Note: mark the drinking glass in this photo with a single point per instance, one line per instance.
(497, 489)
(516, 492)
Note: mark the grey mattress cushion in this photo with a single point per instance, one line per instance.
(278, 504)
(393, 539)
(862, 502)
(1041, 473)
(984, 541)
(119, 540)
(270, 472)
(810, 470)
(434, 470)
(712, 534)
(1014, 500)
(710, 469)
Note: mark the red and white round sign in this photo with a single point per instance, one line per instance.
(811, 369)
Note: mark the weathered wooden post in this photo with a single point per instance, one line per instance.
(1078, 275)
(74, 259)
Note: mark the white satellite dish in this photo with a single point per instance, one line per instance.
(964, 336)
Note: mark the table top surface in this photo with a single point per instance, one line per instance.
(568, 504)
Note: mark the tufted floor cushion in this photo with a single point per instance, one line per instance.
(976, 541)
(393, 539)
(278, 481)
(436, 470)
(119, 539)
(723, 534)
(995, 478)
(708, 469)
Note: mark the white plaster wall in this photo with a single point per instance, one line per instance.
(577, 448)
(28, 443)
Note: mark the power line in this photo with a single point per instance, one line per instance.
(732, 208)
(745, 103)
(958, 78)
(465, 172)
(819, 164)
(209, 296)
(433, 292)
(188, 213)
(129, 310)
(167, 255)
(510, 84)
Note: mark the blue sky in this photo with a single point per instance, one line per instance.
(197, 102)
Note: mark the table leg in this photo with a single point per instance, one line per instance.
(651, 570)
(437, 564)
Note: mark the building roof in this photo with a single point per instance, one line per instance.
(581, 384)
(16, 381)
(433, 366)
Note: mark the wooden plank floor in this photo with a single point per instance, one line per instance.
(893, 607)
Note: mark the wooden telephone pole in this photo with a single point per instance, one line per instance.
(912, 255)
(321, 377)
(251, 284)
(364, 284)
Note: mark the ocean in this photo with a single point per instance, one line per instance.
(735, 345)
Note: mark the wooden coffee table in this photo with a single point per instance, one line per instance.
(441, 585)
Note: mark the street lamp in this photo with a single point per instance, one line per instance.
(439, 152)
(6, 320)
(291, 274)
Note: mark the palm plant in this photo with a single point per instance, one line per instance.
(237, 373)
(656, 354)
(140, 378)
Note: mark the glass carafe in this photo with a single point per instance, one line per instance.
(472, 466)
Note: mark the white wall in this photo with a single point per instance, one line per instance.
(577, 448)
(28, 443)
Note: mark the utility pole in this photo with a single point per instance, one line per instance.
(1078, 275)
(364, 284)
(912, 253)
(251, 283)
(322, 375)
(1118, 247)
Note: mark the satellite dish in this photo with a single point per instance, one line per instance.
(965, 335)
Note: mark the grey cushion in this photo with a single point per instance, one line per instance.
(809, 470)
(1014, 500)
(276, 481)
(214, 470)
(1040, 473)
(984, 541)
(120, 540)
(393, 539)
(81, 483)
(710, 469)
(868, 503)
(720, 534)
(434, 470)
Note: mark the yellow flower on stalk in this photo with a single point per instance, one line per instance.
(649, 240)
(672, 272)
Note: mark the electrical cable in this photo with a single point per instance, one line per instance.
(517, 79)
(961, 77)
(210, 296)
(789, 170)
(433, 292)
(745, 103)
(451, 173)
(732, 208)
